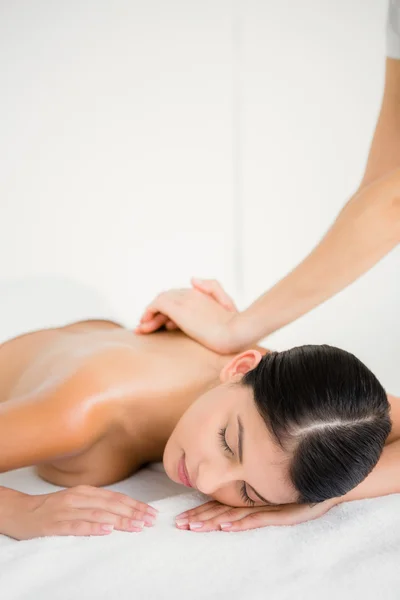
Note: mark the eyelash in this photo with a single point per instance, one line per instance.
(243, 493)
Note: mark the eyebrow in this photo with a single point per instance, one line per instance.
(240, 446)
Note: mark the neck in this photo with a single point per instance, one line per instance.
(175, 373)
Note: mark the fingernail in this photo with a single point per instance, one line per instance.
(107, 527)
(153, 511)
(149, 519)
(196, 525)
(225, 525)
(137, 524)
(181, 522)
(182, 515)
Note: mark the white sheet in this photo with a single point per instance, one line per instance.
(351, 552)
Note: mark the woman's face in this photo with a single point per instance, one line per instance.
(223, 415)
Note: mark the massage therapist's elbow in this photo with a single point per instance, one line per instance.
(379, 206)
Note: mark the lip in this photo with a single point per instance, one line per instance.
(182, 472)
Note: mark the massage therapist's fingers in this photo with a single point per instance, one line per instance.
(152, 324)
(148, 314)
(214, 289)
(170, 325)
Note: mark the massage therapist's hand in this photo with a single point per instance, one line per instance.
(81, 511)
(214, 516)
(207, 316)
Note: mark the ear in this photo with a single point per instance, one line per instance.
(240, 365)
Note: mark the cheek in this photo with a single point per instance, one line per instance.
(188, 434)
(197, 432)
(228, 496)
(199, 424)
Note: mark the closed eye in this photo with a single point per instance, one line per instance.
(222, 437)
(243, 492)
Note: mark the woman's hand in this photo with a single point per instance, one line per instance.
(214, 516)
(81, 510)
(206, 314)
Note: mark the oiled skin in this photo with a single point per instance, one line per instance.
(77, 399)
(91, 402)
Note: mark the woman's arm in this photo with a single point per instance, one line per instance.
(50, 424)
(53, 424)
(384, 479)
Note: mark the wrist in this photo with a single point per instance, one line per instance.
(239, 333)
(12, 503)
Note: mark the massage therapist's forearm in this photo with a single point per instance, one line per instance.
(367, 229)
(384, 479)
(364, 232)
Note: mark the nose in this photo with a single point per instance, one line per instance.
(212, 477)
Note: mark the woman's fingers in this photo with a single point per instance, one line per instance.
(200, 509)
(214, 289)
(81, 510)
(285, 514)
(115, 502)
(255, 520)
(204, 514)
(243, 518)
(142, 506)
(214, 516)
(207, 516)
(81, 528)
(80, 519)
(116, 512)
(238, 520)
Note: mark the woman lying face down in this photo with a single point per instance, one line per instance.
(300, 426)
(90, 403)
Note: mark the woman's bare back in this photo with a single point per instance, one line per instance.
(136, 367)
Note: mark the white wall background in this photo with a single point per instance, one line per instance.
(145, 142)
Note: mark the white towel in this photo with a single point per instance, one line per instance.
(351, 552)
